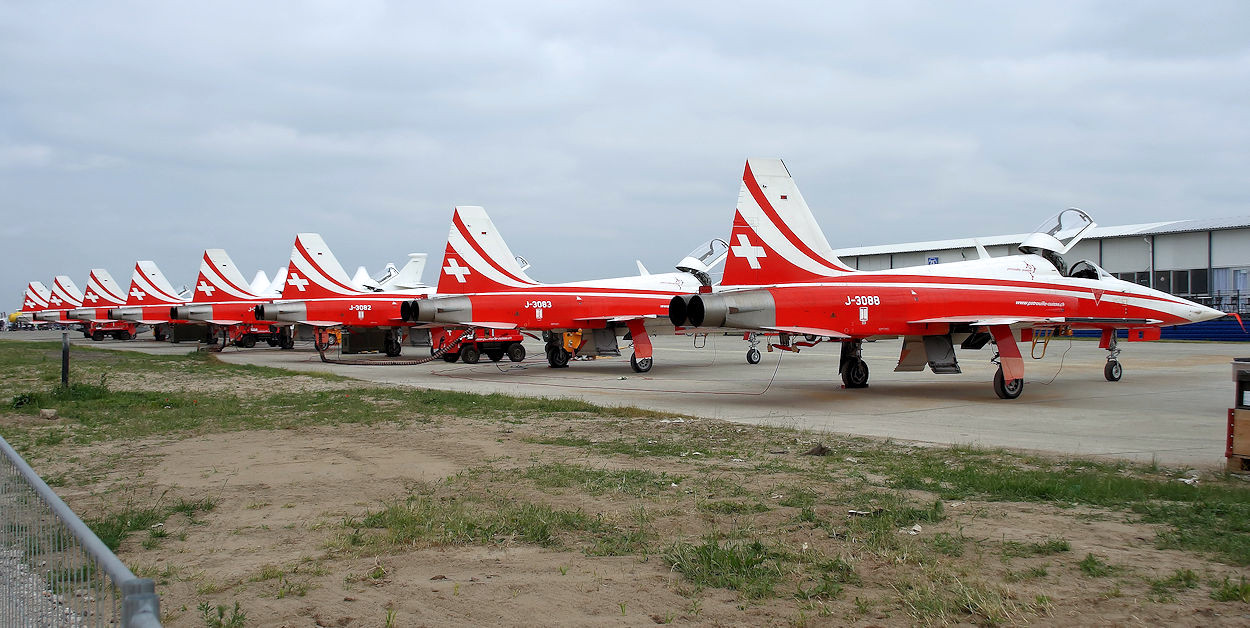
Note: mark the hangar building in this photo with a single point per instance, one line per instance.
(1207, 261)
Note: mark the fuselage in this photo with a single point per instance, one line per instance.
(924, 300)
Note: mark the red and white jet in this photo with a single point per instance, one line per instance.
(483, 285)
(782, 276)
(227, 303)
(149, 300)
(101, 295)
(63, 297)
(319, 293)
(34, 300)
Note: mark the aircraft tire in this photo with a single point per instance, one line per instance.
(753, 356)
(639, 366)
(516, 352)
(1112, 371)
(97, 335)
(451, 356)
(248, 341)
(272, 340)
(557, 357)
(495, 355)
(855, 375)
(125, 335)
(1005, 389)
(470, 355)
(86, 334)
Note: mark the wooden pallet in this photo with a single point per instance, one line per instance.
(1238, 464)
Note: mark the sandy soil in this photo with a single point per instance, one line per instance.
(281, 498)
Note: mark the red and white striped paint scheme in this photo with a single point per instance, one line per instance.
(318, 292)
(482, 285)
(34, 299)
(149, 298)
(102, 294)
(221, 296)
(777, 248)
(64, 297)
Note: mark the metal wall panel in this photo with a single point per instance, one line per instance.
(1181, 251)
(1230, 248)
(1123, 255)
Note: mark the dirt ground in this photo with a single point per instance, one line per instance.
(273, 541)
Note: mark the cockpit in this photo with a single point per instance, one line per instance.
(1057, 236)
(703, 259)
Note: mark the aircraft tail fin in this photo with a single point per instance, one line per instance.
(148, 286)
(220, 280)
(775, 238)
(260, 282)
(65, 294)
(102, 290)
(314, 272)
(35, 299)
(279, 280)
(365, 282)
(409, 276)
(477, 259)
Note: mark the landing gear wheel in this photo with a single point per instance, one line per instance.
(451, 356)
(321, 346)
(1112, 371)
(557, 357)
(86, 334)
(753, 356)
(272, 340)
(495, 355)
(470, 355)
(248, 341)
(516, 352)
(392, 346)
(855, 375)
(1007, 389)
(639, 366)
(125, 335)
(286, 339)
(97, 335)
(117, 335)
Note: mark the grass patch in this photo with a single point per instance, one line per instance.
(115, 525)
(733, 508)
(749, 568)
(1096, 567)
(1229, 591)
(1163, 590)
(633, 482)
(1018, 549)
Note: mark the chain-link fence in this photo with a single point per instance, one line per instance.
(54, 571)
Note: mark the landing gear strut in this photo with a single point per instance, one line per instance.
(852, 366)
(1112, 371)
(1007, 389)
(557, 356)
(393, 344)
(753, 354)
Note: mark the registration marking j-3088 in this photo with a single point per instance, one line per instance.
(863, 300)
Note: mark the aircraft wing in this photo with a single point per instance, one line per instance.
(992, 320)
(809, 331)
(483, 324)
(614, 319)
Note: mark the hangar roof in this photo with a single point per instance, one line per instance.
(1143, 229)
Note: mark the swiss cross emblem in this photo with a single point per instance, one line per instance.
(30, 304)
(454, 268)
(91, 296)
(55, 300)
(205, 288)
(298, 282)
(749, 252)
(138, 294)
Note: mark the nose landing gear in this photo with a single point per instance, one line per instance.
(1112, 371)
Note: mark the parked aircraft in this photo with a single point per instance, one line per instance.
(149, 300)
(782, 276)
(101, 295)
(483, 285)
(222, 299)
(63, 297)
(319, 293)
(34, 300)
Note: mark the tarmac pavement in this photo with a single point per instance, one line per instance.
(1170, 406)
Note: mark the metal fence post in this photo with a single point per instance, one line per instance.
(65, 358)
(141, 607)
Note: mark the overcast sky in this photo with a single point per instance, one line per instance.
(596, 133)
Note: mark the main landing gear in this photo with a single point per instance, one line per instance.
(1112, 371)
(852, 366)
(1007, 389)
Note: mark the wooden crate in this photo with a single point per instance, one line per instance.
(1238, 464)
(1241, 432)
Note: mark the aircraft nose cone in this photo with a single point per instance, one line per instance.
(1198, 313)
